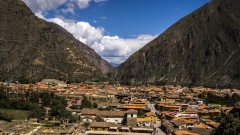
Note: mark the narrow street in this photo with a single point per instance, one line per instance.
(158, 131)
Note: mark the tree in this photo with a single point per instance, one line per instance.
(45, 96)
(95, 105)
(36, 112)
(86, 103)
(235, 98)
(86, 124)
(140, 113)
(23, 81)
(99, 119)
(164, 89)
(230, 124)
(4, 116)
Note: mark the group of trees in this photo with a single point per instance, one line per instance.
(6, 117)
(35, 102)
(230, 123)
(88, 104)
(226, 100)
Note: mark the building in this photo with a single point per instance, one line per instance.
(148, 117)
(103, 126)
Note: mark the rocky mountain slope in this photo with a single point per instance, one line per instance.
(88, 52)
(200, 49)
(32, 49)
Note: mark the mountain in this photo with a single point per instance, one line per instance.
(88, 52)
(114, 64)
(31, 48)
(202, 48)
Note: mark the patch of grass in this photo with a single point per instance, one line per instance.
(35, 125)
(17, 114)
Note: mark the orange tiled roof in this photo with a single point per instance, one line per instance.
(103, 124)
(150, 114)
(184, 132)
(201, 125)
(203, 106)
(215, 110)
(190, 121)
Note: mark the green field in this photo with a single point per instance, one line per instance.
(17, 114)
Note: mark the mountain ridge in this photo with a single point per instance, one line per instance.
(32, 50)
(87, 51)
(198, 49)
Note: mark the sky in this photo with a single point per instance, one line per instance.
(115, 29)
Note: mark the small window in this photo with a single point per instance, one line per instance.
(131, 115)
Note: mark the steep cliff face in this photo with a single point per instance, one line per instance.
(202, 48)
(88, 52)
(31, 49)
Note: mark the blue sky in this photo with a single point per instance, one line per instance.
(114, 28)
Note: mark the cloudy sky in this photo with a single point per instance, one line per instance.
(115, 29)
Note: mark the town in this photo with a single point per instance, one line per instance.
(111, 108)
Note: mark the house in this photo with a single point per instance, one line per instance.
(119, 117)
(148, 117)
(132, 106)
(226, 109)
(88, 114)
(169, 98)
(179, 124)
(190, 123)
(167, 126)
(131, 118)
(203, 113)
(66, 130)
(168, 106)
(141, 130)
(112, 116)
(213, 124)
(140, 102)
(103, 126)
(215, 113)
(88, 119)
(184, 132)
(167, 115)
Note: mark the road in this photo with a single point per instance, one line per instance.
(158, 131)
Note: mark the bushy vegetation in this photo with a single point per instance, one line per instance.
(35, 102)
(88, 104)
(230, 124)
(6, 117)
(226, 100)
(16, 114)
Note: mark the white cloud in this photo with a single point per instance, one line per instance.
(40, 6)
(100, 1)
(112, 48)
(80, 30)
(119, 47)
(103, 17)
(82, 3)
(70, 7)
(43, 5)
